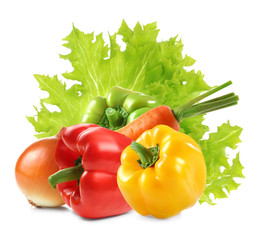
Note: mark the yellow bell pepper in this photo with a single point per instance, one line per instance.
(162, 173)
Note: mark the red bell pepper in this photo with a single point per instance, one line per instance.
(89, 157)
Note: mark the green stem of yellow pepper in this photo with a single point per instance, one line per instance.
(148, 156)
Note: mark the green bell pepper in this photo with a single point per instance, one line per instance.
(120, 107)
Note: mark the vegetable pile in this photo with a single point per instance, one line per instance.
(121, 89)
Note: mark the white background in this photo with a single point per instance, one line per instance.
(224, 38)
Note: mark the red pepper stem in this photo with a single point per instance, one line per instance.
(148, 156)
(193, 108)
(66, 175)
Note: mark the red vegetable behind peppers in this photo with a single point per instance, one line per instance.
(89, 157)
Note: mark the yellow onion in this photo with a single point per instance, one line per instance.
(32, 170)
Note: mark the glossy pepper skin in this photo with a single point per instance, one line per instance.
(173, 183)
(97, 194)
(123, 104)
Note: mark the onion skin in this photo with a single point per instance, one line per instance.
(32, 170)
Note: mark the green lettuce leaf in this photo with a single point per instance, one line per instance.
(154, 68)
(220, 174)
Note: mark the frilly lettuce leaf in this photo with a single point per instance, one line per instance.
(221, 174)
(154, 68)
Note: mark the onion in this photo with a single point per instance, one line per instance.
(32, 170)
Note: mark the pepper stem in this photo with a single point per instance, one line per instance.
(66, 175)
(148, 156)
(193, 108)
(114, 117)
